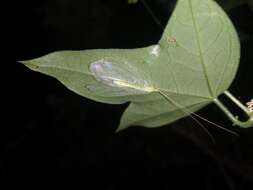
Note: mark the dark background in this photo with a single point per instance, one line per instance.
(53, 138)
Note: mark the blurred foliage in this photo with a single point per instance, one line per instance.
(132, 1)
(227, 4)
(230, 4)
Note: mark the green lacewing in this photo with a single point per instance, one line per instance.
(123, 79)
(117, 79)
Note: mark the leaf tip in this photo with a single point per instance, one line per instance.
(30, 64)
(121, 127)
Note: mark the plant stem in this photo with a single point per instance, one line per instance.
(234, 119)
(157, 21)
(236, 101)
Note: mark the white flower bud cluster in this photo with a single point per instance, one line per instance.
(250, 105)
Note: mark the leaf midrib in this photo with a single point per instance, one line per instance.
(199, 49)
(90, 74)
(60, 68)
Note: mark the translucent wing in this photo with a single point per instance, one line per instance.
(117, 79)
(109, 91)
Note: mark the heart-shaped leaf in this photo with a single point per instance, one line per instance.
(195, 61)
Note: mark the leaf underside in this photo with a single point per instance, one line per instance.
(195, 61)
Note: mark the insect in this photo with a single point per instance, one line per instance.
(118, 80)
(123, 79)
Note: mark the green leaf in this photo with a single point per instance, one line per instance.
(194, 62)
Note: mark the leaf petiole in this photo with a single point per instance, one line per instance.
(234, 119)
(237, 102)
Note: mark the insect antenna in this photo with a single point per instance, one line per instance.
(215, 124)
(192, 114)
(189, 113)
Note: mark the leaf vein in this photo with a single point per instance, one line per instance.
(229, 58)
(199, 49)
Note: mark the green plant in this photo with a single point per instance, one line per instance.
(194, 62)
